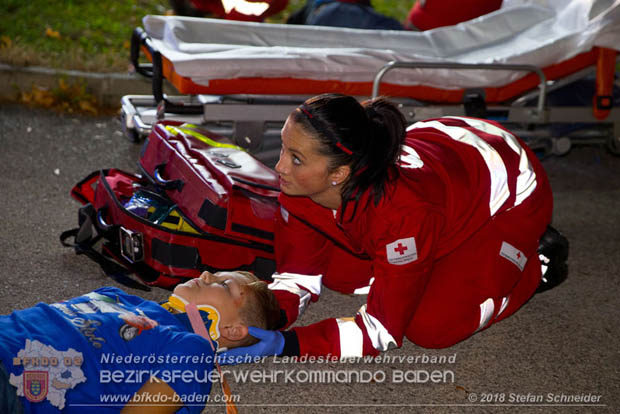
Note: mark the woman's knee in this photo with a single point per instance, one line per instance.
(429, 333)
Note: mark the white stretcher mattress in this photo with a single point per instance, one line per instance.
(532, 32)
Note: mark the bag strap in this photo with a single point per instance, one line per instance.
(84, 191)
(83, 242)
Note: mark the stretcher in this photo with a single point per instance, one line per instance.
(242, 79)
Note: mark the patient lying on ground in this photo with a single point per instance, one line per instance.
(110, 349)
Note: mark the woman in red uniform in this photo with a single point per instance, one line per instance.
(440, 222)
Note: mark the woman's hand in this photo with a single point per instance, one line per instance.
(270, 343)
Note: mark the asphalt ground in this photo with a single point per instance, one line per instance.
(559, 354)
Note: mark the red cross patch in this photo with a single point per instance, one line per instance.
(513, 254)
(402, 251)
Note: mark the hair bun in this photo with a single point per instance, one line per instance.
(371, 112)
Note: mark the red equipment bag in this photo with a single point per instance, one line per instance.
(201, 203)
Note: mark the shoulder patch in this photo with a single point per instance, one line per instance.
(513, 254)
(402, 251)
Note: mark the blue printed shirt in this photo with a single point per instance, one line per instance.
(93, 352)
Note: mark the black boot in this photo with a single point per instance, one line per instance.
(553, 252)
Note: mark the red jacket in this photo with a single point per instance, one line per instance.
(454, 175)
(430, 14)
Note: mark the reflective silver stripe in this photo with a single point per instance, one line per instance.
(311, 283)
(249, 8)
(351, 338)
(544, 261)
(494, 162)
(526, 181)
(364, 290)
(502, 308)
(284, 213)
(293, 282)
(486, 312)
(379, 336)
(409, 158)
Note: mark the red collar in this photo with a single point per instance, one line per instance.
(320, 218)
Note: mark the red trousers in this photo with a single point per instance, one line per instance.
(468, 287)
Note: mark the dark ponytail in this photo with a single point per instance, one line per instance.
(367, 137)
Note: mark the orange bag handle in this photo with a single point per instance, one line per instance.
(605, 70)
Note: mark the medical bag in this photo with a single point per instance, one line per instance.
(199, 203)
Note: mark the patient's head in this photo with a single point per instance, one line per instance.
(241, 299)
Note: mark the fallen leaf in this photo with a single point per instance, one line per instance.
(66, 97)
(40, 96)
(49, 32)
(87, 106)
(62, 85)
(5, 41)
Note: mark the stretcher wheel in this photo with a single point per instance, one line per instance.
(561, 146)
(613, 145)
(130, 133)
(542, 147)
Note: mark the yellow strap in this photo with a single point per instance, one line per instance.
(179, 304)
(186, 129)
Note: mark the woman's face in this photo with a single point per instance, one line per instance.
(303, 170)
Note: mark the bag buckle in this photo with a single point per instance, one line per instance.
(132, 245)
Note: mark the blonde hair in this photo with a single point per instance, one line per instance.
(260, 307)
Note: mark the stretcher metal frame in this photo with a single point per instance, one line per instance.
(254, 121)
